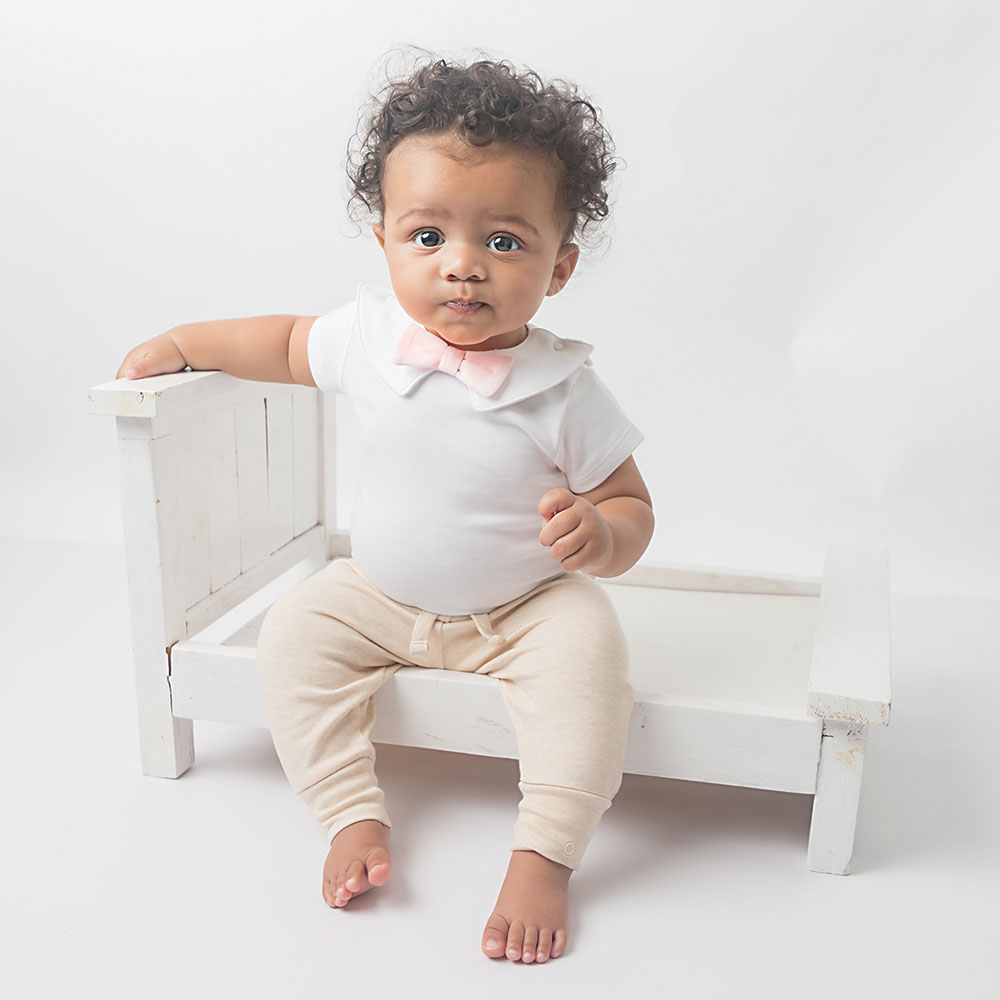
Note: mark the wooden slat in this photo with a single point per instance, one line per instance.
(251, 466)
(280, 464)
(160, 454)
(311, 544)
(224, 499)
(173, 400)
(188, 472)
(179, 463)
(751, 746)
(849, 678)
(728, 743)
(152, 397)
(216, 683)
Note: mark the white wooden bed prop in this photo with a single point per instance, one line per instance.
(741, 679)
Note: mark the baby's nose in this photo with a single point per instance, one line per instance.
(464, 264)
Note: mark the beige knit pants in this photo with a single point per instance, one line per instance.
(558, 652)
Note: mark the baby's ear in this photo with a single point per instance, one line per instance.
(565, 264)
(379, 230)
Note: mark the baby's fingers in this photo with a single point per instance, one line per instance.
(559, 525)
(141, 368)
(130, 368)
(159, 356)
(555, 501)
(568, 548)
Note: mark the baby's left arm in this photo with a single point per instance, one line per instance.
(602, 532)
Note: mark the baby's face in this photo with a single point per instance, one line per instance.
(472, 237)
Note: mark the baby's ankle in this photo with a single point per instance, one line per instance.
(540, 863)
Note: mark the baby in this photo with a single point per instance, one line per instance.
(496, 480)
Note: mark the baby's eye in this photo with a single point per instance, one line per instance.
(428, 238)
(503, 243)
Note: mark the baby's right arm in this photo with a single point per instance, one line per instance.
(261, 348)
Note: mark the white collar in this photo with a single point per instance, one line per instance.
(541, 361)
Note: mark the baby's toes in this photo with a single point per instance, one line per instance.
(332, 887)
(515, 940)
(378, 866)
(558, 943)
(495, 936)
(356, 879)
(341, 893)
(530, 945)
(544, 945)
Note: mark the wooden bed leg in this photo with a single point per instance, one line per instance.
(835, 804)
(166, 743)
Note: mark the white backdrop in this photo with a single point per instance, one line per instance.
(799, 305)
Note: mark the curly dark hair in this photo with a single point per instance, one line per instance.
(481, 103)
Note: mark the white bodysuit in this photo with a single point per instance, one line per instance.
(446, 517)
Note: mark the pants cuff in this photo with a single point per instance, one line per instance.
(557, 822)
(347, 796)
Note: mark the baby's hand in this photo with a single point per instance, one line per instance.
(576, 535)
(158, 356)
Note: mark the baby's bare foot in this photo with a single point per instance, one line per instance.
(358, 859)
(530, 920)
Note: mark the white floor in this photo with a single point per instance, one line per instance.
(117, 885)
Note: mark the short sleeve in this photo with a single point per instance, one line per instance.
(326, 349)
(596, 435)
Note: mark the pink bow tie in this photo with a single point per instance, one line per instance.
(483, 371)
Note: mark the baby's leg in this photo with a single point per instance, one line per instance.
(319, 674)
(567, 690)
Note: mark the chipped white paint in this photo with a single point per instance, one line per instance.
(741, 678)
(835, 804)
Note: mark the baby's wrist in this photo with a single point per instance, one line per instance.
(629, 521)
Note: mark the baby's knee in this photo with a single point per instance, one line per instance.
(296, 628)
(594, 658)
(285, 619)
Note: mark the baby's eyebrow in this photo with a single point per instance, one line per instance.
(515, 220)
(423, 212)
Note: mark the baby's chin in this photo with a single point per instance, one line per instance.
(490, 337)
(494, 342)
(464, 338)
